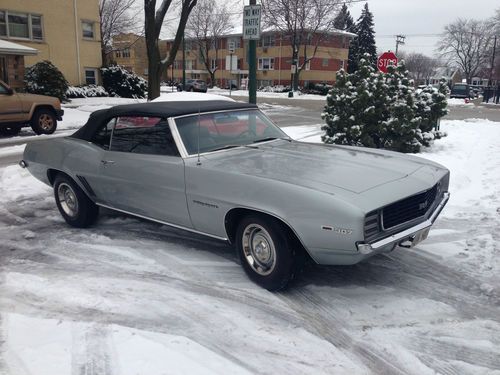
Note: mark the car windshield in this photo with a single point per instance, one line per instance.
(223, 130)
(460, 88)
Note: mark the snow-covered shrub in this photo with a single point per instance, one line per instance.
(431, 105)
(45, 79)
(119, 82)
(88, 91)
(373, 109)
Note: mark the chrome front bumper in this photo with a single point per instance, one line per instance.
(407, 235)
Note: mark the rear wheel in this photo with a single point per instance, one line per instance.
(44, 121)
(269, 254)
(73, 204)
(10, 130)
(191, 89)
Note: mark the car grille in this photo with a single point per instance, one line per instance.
(372, 225)
(409, 208)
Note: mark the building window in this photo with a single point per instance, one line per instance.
(213, 64)
(36, 27)
(266, 63)
(118, 54)
(267, 41)
(308, 65)
(236, 41)
(324, 62)
(88, 29)
(342, 64)
(3, 24)
(21, 25)
(18, 25)
(91, 76)
(126, 52)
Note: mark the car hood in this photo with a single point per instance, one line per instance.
(39, 98)
(320, 167)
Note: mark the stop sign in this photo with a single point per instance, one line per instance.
(386, 59)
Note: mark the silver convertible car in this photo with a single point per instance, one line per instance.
(224, 170)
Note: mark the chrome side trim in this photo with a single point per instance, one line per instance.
(177, 137)
(408, 232)
(164, 222)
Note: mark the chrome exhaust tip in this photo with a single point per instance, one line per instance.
(23, 164)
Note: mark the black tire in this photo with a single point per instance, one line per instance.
(44, 121)
(191, 89)
(271, 274)
(10, 130)
(70, 198)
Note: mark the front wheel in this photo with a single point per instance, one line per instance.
(73, 204)
(44, 121)
(268, 253)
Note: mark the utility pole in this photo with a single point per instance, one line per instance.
(400, 39)
(493, 62)
(183, 63)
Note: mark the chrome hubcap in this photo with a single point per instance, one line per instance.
(46, 122)
(258, 249)
(67, 199)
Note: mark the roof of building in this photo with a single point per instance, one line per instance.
(239, 33)
(156, 109)
(10, 48)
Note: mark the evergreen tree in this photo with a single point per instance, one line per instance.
(402, 126)
(372, 109)
(344, 21)
(431, 105)
(120, 82)
(364, 42)
(45, 79)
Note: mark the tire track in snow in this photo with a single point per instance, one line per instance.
(323, 322)
(91, 353)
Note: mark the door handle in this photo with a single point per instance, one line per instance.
(106, 162)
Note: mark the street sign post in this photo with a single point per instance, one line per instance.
(251, 22)
(385, 60)
(251, 32)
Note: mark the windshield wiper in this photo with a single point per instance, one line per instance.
(271, 138)
(226, 147)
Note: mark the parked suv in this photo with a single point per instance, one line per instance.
(18, 110)
(193, 85)
(460, 91)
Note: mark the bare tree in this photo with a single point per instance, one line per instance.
(420, 66)
(467, 44)
(153, 21)
(115, 17)
(207, 24)
(304, 22)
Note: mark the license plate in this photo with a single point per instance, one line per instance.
(420, 236)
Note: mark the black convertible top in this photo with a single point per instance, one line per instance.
(154, 109)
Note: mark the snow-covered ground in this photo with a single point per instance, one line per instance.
(132, 297)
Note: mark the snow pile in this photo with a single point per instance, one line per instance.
(184, 96)
(89, 91)
(133, 297)
(459, 102)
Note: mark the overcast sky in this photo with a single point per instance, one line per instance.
(416, 17)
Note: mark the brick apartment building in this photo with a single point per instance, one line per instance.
(274, 60)
(129, 51)
(66, 32)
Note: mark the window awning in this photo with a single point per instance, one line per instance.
(9, 48)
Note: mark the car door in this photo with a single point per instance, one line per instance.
(10, 105)
(142, 172)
